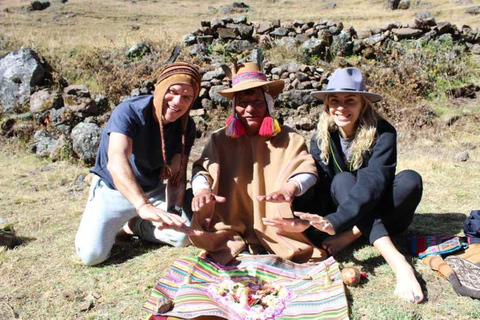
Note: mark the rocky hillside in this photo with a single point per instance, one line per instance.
(407, 63)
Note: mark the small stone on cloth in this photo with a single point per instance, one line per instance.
(163, 304)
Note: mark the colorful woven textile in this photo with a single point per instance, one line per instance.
(317, 288)
(467, 277)
(423, 246)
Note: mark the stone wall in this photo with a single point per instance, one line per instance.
(323, 39)
(61, 120)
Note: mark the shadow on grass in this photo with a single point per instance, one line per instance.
(439, 224)
(21, 241)
(125, 249)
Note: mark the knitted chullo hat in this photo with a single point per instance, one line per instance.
(176, 73)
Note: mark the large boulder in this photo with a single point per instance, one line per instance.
(371, 41)
(85, 141)
(393, 4)
(40, 4)
(20, 72)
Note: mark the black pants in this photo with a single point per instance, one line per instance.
(392, 215)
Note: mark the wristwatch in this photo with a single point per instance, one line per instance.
(175, 209)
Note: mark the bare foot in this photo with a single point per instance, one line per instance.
(337, 243)
(407, 287)
(127, 230)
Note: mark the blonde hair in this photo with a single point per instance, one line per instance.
(366, 129)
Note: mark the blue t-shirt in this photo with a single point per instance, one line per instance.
(134, 118)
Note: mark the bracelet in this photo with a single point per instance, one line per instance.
(138, 209)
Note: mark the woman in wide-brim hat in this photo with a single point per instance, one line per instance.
(250, 170)
(358, 192)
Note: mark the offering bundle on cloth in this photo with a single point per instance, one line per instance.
(255, 287)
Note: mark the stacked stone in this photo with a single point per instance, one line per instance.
(69, 118)
(70, 122)
(234, 33)
(324, 38)
(299, 77)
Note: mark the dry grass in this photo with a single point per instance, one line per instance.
(43, 279)
(108, 24)
(435, 160)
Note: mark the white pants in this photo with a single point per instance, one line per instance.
(107, 210)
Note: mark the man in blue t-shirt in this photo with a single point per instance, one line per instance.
(147, 140)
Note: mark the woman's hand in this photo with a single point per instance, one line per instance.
(287, 224)
(205, 197)
(317, 221)
(285, 194)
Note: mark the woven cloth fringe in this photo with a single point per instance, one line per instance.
(423, 246)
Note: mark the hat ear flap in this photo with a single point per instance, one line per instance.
(270, 102)
(235, 127)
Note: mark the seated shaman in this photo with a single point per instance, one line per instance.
(250, 170)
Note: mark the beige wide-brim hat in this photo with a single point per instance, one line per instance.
(248, 76)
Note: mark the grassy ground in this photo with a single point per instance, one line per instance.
(43, 279)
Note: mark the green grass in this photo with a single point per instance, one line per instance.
(42, 277)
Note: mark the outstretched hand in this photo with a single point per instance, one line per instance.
(285, 194)
(287, 224)
(317, 221)
(166, 220)
(205, 197)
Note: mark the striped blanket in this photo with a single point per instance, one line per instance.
(423, 246)
(317, 288)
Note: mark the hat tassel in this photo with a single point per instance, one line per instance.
(235, 127)
(270, 127)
